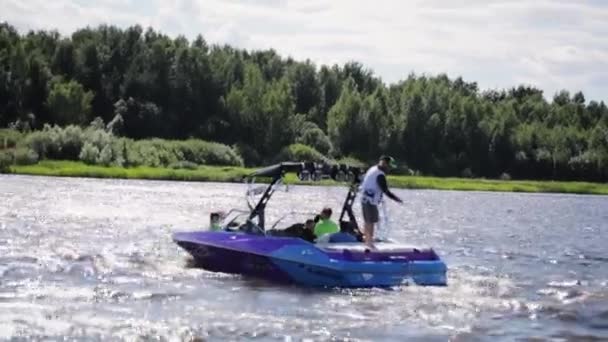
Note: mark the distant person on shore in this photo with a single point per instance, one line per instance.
(373, 186)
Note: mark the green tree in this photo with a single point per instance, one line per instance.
(69, 103)
(147, 84)
(306, 89)
(277, 109)
(313, 136)
(344, 121)
(64, 59)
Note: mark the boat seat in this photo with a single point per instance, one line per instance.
(339, 237)
(342, 237)
(296, 230)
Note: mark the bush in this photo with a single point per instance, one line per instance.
(105, 156)
(154, 152)
(94, 145)
(150, 153)
(467, 173)
(72, 140)
(250, 156)
(23, 124)
(9, 138)
(299, 152)
(89, 153)
(116, 125)
(6, 159)
(404, 170)
(203, 152)
(25, 156)
(97, 124)
(98, 137)
(158, 152)
(56, 142)
(184, 165)
(124, 150)
(55, 138)
(120, 152)
(40, 142)
(314, 137)
(351, 161)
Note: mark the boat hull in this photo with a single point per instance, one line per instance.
(293, 260)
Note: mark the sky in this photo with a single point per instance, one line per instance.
(549, 44)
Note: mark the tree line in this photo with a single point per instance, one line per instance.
(145, 84)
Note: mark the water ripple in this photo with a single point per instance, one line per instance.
(91, 260)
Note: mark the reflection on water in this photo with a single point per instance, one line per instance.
(93, 259)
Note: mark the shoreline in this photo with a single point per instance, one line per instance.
(232, 174)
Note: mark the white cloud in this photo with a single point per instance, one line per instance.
(552, 44)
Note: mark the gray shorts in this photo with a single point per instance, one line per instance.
(370, 212)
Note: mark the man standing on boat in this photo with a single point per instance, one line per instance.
(373, 186)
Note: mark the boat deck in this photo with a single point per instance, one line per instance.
(379, 247)
(357, 251)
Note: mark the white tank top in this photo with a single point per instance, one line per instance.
(370, 190)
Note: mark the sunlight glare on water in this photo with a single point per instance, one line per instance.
(93, 259)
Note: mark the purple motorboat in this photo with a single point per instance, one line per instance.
(244, 246)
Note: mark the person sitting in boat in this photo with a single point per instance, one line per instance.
(214, 221)
(325, 224)
(309, 225)
(309, 230)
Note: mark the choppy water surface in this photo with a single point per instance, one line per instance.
(93, 260)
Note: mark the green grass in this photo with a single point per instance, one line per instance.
(411, 182)
(79, 169)
(235, 174)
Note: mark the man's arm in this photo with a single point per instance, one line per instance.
(382, 183)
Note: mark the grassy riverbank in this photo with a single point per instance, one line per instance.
(79, 169)
(235, 174)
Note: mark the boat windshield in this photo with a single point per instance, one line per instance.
(290, 218)
(234, 218)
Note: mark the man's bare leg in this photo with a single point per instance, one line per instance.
(368, 234)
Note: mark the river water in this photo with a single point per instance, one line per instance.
(91, 259)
